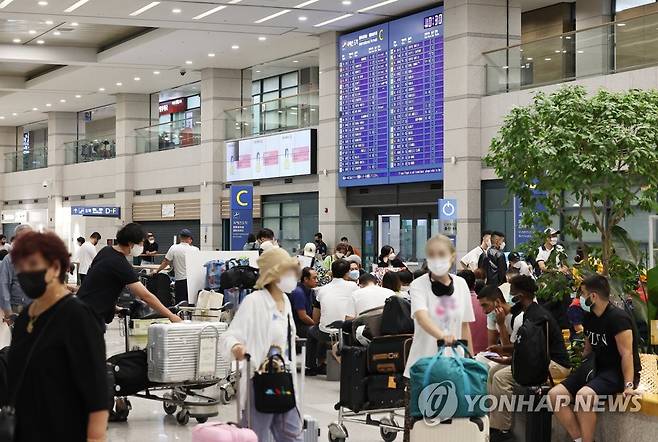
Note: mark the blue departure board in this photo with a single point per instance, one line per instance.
(391, 102)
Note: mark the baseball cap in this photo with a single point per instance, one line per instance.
(514, 256)
(186, 233)
(551, 231)
(309, 250)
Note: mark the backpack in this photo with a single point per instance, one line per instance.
(240, 276)
(214, 270)
(490, 267)
(531, 357)
(396, 317)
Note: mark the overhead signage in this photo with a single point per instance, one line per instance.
(272, 156)
(14, 216)
(173, 106)
(98, 211)
(448, 216)
(242, 215)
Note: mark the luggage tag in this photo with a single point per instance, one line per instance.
(392, 383)
(207, 357)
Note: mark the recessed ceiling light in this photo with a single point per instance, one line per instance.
(188, 61)
(40, 42)
(31, 32)
(176, 10)
(306, 3)
(621, 24)
(235, 47)
(529, 59)
(262, 38)
(119, 83)
(547, 59)
(235, 1)
(302, 18)
(62, 101)
(212, 54)
(258, 72)
(78, 96)
(4, 3)
(347, 2)
(57, 33)
(101, 89)
(377, 5)
(295, 61)
(75, 23)
(156, 72)
(42, 3)
(136, 78)
(14, 114)
(48, 22)
(2, 117)
(332, 20)
(35, 108)
(270, 17)
(16, 40)
(48, 104)
(209, 12)
(144, 9)
(75, 5)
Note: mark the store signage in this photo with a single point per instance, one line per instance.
(173, 106)
(273, 156)
(88, 116)
(242, 215)
(14, 216)
(100, 211)
(26, 142)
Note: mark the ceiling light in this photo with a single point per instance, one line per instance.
(75, 5)
(48, 22)
(144, 8)
(258, 72)
(101, 89)
(48, 104)
(309, 2)
(212, 54)
(31, 32)
(235, 47)
(581, 52)
(35, 108)
(295, 61)
(78, 96)
(188, 61)
(75, 23)
(347, 2)
(16, 40)
(40, 42)
(332, 20)
(62, 101)
(57, 33)
(42, 3)
(302, 18)
(136, 78)
(262, 38)
(270, 17)
(547, 59)
(377, 5)
(235, 1)
(156, 72)
(176, 10)
(209, 12)
(2, 117)
(621, 24)
(119, 83)
(557, 51)
(14, 114)
(4, 3)
(529, 58)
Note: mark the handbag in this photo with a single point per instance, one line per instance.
(274, 392)
(8, 412)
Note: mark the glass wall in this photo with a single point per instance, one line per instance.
(293, 218)
(268, 91)
(31, 148)
(96, 136)
(497, 210)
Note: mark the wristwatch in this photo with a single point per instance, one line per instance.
(628, 385)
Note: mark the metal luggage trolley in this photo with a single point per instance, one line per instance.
(190, 399)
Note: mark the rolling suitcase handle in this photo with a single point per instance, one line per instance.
(247, 407)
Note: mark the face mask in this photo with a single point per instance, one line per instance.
(33, 283)
(287, 283)
(391, 256)
(354, 275)
(584, 304)
(137, 250)
(151, 241)
(339, 255)
(515, 299)
(502, 245)
(439, 266)
(554, 240)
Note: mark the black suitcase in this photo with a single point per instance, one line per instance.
(388, 354)
(130, 372)
(385, 391)
(4, 376)
(160, 285)
(353, 372)
(532, 426)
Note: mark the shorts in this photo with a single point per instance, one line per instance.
(604, 383)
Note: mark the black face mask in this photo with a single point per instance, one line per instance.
(33, 283)
(443, 290)
(515, 298)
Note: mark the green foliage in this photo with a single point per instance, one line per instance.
(590, 159)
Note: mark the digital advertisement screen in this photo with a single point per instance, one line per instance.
(391, 102)
(273, 156)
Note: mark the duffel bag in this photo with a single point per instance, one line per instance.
(388, 354)
(455, 376)
(396, 317)
(353, 377)
(221, 432)
(385, 391)
(130, 372)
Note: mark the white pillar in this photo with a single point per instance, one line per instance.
(593, 47)
(471, 27)
(335, 218)
(132, 112)
(221, 89)
(7, 146)
(62, 128)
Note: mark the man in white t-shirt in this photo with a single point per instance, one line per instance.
(370, 295)
(86, 255)
(176, 258)
(471, 259)
(546, 250)
(334, 302)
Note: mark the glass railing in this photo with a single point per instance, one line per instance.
(605, 49)
(172, 135)
(35, 158)
(84, 151)
(285, 113)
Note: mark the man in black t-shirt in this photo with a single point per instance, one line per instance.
(150, 249)
(110, 271)
(612, 363)
(493, 261)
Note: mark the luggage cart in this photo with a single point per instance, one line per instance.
(195, 399)
(388, 425)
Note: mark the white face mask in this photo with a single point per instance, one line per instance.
(339, 255)
(391, 257)
(502, 245)
(554, 240)
(151, 241)
(137, 250)
(354, 275)
(439, 266)
(287, 283)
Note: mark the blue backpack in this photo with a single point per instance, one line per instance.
(450, 379)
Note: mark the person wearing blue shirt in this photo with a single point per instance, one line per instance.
(301, 300)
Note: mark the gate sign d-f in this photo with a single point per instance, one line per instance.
(448, 216)
(242, 214)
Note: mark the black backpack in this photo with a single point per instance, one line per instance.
(396, 317)
(531, 357)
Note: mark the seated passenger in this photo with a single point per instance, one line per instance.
(391, 281)
(479, 326)
(406, 278)
(523, 289)
(301, 300)
(333, 303)
(611, 340)
(370, 295)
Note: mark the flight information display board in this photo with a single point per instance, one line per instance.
(391, 102)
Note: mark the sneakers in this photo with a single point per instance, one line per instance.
(496, 435)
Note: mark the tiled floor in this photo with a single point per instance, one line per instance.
(148, 423)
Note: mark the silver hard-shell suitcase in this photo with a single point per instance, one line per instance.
(186, 352)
